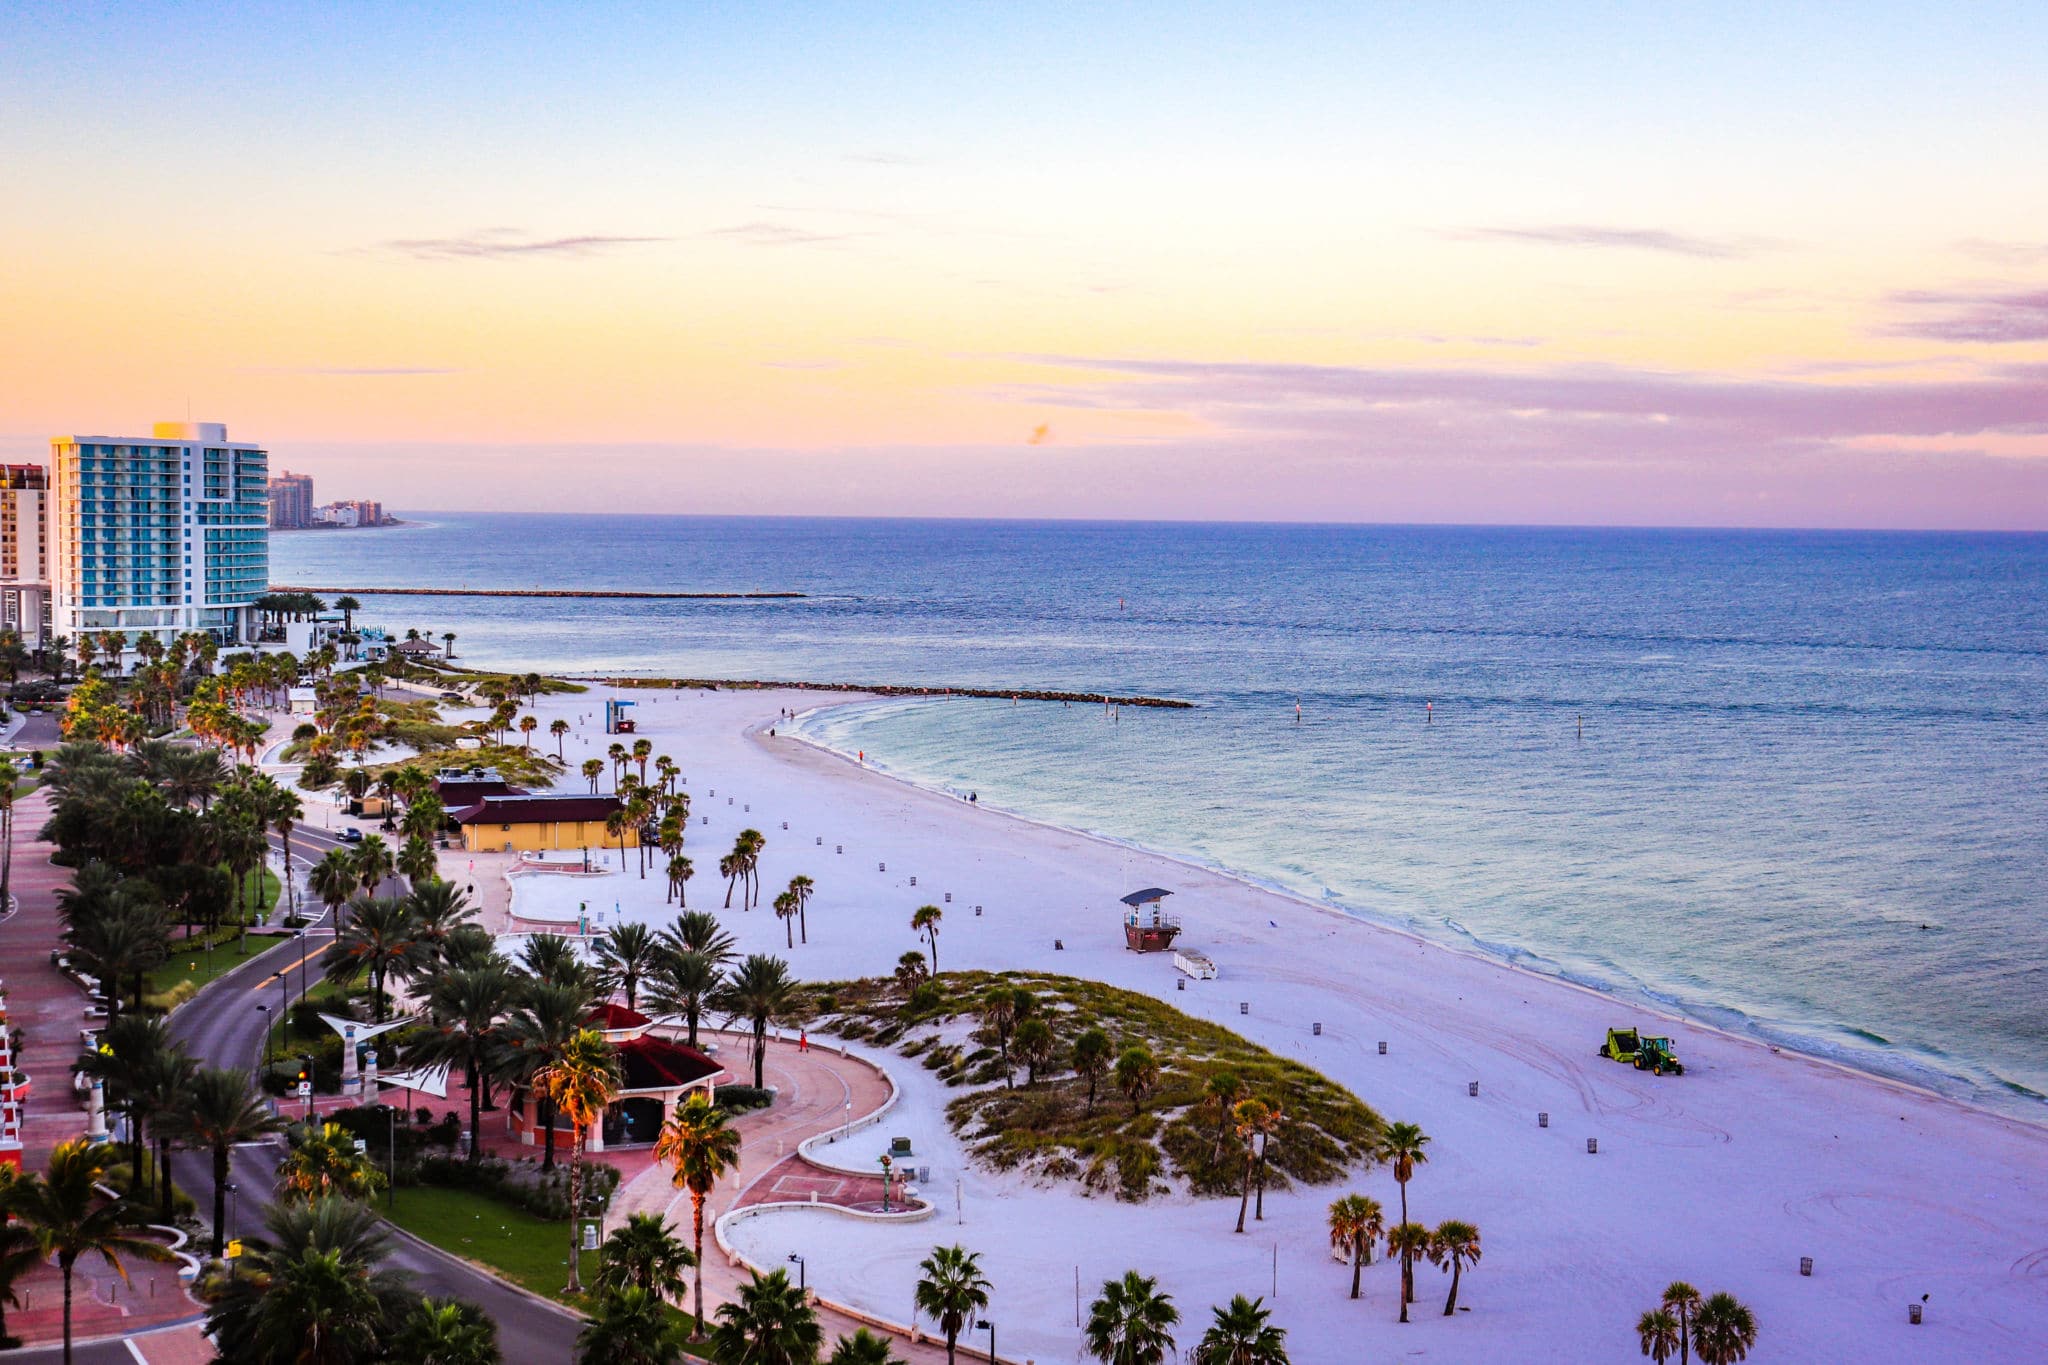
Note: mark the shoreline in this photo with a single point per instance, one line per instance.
(1673, 1013)
(1724, 1177)
(634, 595)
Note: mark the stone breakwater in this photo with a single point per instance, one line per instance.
(892, 690)
(633, 594)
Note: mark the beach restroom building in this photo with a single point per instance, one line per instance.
(548, 822)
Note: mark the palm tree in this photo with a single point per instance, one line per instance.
(769, 1324)
(1356, 1222)
(1091, 1059)
(1404, 1147)
(528, 723)
(19, 1254)
(1248, 1119)
(682, 984)
(467, 1006)
(699, 931)
(132, 1048)
(1136, 1075)
(646, 1254)
(448, 640)
(863, 1348)
(381, 939)
(537, 1035)
(10, 777)
(325, 1164)
(760, 991)
(801, 887)
(1660, 1335)
(786, 911)
(1242, 1334)
(438, 909)
(1270, 1123)
(593, 768)
(1724, 1331)
(1131, 1322)
(1408, 1241)
(925, 920)
(625, 955)
(950, 1290)
(417, 862)
(1035, 1043)
(311, 1293)
(334, 879)
(374, 863)
(680, 870)
(580, 1085)
(631, 1326)
(1454, 1246)
(1682, 1300)
(552, 959)
(286, 812)
(559, 728)
(222, 1111)
(699, 1144)
(447, 1332)
(69, 1219)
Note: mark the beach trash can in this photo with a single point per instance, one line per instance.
(1913, 1314)
(913, 881)
(949, 898)
(1592, 1146)
(1244, 1007)
(1806, 1265)
(1180, 983)
(1542, 1119)
(1472, 1088)
(785, 824)
(1383, 1049)
(1316, 1029)
(839, 848)
(881, 867)
(821, 841)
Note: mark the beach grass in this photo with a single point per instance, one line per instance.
(1169, 1139)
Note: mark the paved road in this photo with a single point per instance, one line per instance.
(222, 1027)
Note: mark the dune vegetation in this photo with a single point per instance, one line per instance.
(1075, 1080)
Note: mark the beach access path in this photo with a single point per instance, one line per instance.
(1725, 1177)
(816, 1091)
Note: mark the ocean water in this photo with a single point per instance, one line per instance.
(1794, 784)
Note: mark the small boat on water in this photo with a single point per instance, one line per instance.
(1147, 927)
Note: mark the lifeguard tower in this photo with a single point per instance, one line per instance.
(616, 721)
(1147, 927)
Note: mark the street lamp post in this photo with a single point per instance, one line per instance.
(391, 1187)
(989, 1327)
(801, 1287)
(264, 1010)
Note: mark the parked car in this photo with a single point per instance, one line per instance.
(351, 836)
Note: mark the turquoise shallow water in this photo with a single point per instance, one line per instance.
(1809, 801)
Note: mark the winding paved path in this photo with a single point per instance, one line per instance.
(816, 1091)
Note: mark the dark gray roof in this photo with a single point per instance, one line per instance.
(1150, 893)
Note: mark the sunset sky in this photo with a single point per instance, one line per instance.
(1633, 264)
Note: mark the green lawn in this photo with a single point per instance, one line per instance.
(189, 963)
(529, 1251)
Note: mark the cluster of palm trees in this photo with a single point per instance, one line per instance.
(1357, 1222)
(161, 835)
(312, 1289)
(1718, 1329)
(1131, 1322)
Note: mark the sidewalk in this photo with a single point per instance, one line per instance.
(50, 1011)
(814, 1089)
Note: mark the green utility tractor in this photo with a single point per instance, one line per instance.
(1644, 1054)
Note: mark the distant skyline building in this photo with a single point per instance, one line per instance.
(160, 534)
(291, 501)
(350, 512)
(25, 552)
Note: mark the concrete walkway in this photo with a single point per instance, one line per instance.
(817, 1090)
(50, 1010)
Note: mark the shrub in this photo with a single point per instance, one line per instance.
(737, 1099)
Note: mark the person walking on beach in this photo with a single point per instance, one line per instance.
(803, 1040)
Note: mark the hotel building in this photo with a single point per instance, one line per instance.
(160, 535)
(24, 552)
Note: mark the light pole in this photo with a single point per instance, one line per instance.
(801, 1287)
(264, 1010)
(989, 1327)
(391, 1187)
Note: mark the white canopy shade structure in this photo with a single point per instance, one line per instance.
(431, 1080)
(353, 1032)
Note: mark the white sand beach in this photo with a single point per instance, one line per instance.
(1725, 1177)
